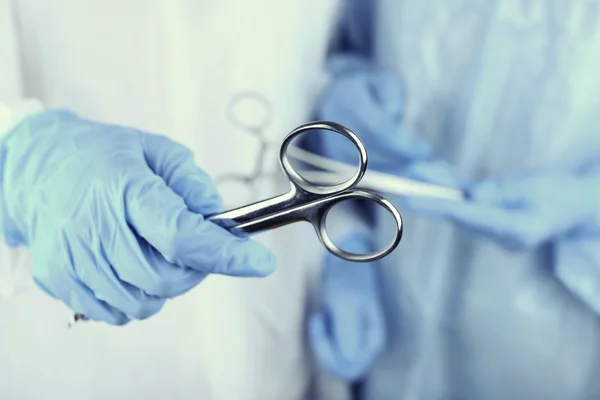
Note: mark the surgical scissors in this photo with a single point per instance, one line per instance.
(310, 202)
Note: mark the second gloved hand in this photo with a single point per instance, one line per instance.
(114, 216)
(368, 99)
(520, 211)
(348, 333)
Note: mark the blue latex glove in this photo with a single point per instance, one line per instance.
(114, 216)
(369, 100)
(349, 332)
(520, 211)
(351, 64)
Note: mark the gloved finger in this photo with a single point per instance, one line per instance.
(184, 238)
(99, 271)
(390, 142)
(406, 145)
(320, 343)
(384, 85)
(385, 90)
(435, 171)
(484, 218)
(344, 64)
(60, 284)
(374, 328)
(326, 354)
(347, 331)
(175, 164)
(351, 102)
(155, 275)
(500, 192)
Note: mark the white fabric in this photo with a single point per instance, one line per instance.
(14, 262)
(11, 113)
(498, 87)
(171, 67)
(10, 65)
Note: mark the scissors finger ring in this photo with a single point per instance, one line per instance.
(307, 201)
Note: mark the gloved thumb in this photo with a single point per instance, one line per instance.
(320, 341)
(348, 64)
(386, 91)
(166, 201)
(326, 353)
(348, 331)
(437, 172)
(174, 163)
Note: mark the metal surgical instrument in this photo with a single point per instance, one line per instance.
(310, 202)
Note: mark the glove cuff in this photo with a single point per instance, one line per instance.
(11, 116)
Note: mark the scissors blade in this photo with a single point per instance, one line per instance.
(274, 213)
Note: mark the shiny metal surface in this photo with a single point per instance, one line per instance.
(310, 202)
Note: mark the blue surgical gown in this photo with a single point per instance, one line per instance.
(496, 87)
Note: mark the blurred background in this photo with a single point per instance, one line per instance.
(480, 121)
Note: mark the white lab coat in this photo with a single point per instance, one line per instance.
(168, 67)
(498, 88)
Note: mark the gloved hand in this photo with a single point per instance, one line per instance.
(369, 100)
(114, 216)
(349, 332)
(519, 211)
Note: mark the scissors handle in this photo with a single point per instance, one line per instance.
(298, 205)
(320, 219)
(240, 220)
